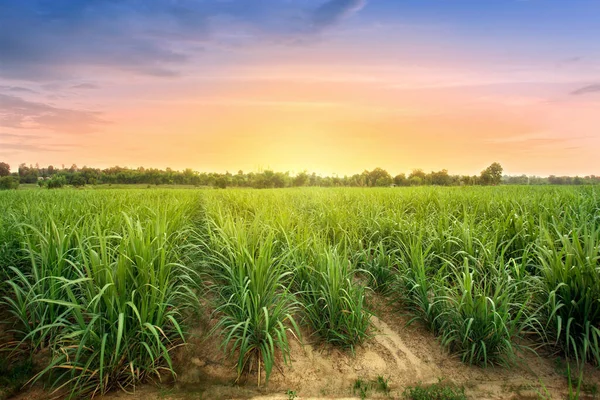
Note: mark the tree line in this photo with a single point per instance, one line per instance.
(52, 177)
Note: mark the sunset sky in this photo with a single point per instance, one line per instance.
(331, 86)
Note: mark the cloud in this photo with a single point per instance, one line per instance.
(42, 40)
(11, 144)
(587, 89)
(23, 114)
(10, 136)
(333, 11)
(16, 89)
(33, 147)
(85, 86)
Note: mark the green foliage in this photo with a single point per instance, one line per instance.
(13, 376)
(383, 384)
(361, 388)
(482, 268)
(57, 182)
(4, 169)
(269, 179)
(570, 291)
(254, 304)
(8, 183)
(436, 391)
(334, 303)
(380, 268)
(105, 292)
(492, 175)
(486, 314)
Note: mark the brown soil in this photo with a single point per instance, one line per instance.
(404, 355)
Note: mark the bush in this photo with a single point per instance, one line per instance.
(8, 182)
(57, 182)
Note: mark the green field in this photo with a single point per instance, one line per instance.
(110, 282)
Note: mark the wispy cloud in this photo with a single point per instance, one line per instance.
(12, 144)
(23, 114)
(35, 147)
(587, 89)
(536, 140)
(85, 86)
(4, 136)
(16, 89)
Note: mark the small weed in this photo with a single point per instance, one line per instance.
(13, 377)
(291, 394)
(437, 391)
(383, 384)
(361, 388)
(590, 389)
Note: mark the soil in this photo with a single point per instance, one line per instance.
(404, 355)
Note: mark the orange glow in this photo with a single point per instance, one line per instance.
(329, 120)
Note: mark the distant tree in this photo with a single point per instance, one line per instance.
(379, 177)
(9, 182)
(517, 180)
(301, 179)
(440, 178)
(492, 175)
(221, 182)
(281, 180)
(90, 175)
(56, 182)
(77, 179)
(400, 180)
(415, 180)
(4, 169)
(417, 173)
(27, 174)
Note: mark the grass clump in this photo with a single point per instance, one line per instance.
(110, 304)
(380, 269)
(487, 314)
(570, 291)
(13, 375)
(334, 302)
(256, 307)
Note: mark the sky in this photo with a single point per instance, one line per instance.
(330, 86)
